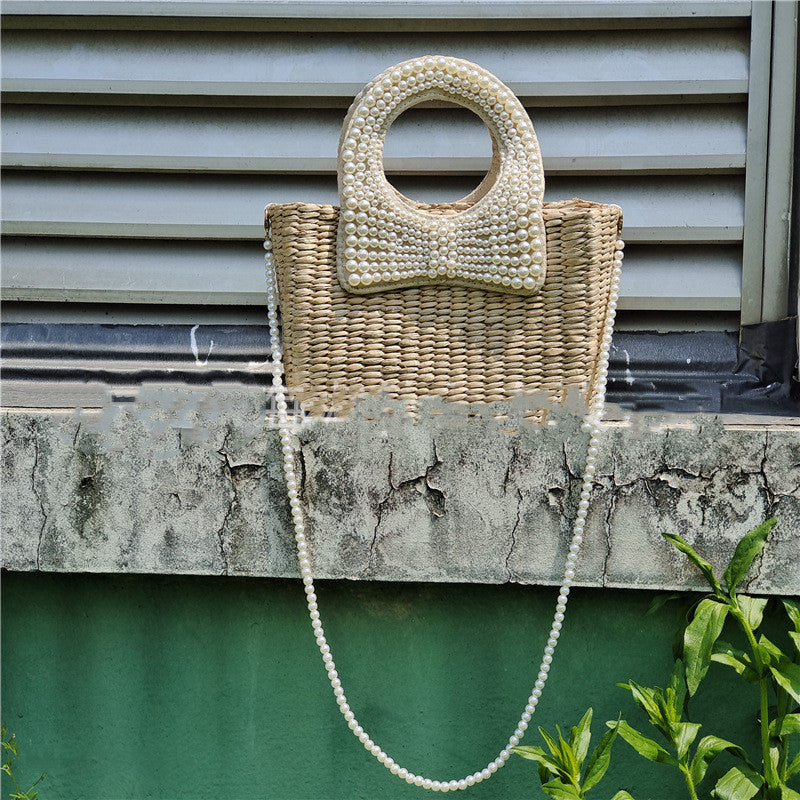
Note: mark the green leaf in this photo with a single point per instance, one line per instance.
(787, 676)
(774, 752)
(738, 783)
(645, 698)
(537, 754)
(766, 646)
(793, 610)
(750, 545)
(683, 734)
(793, 768)
(752, 608)
(665, 707)
(599, 760)
(561, 791)
(785, 725)
(531, 753)
(580, 737)
(795, 637)
(622, 795)
(699, 638)
(661, 600)
(764, 656)
(725, 653)
(552, 746)
(695, 558)
(677, 682)
(789, 794)
(568, 760)
(707, 750)
(642, 745)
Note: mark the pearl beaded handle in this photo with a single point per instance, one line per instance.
(492, 239)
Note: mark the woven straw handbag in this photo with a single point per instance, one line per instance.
(474, 301)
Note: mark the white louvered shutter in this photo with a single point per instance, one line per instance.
(142, 139)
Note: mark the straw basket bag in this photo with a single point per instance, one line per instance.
(476, 301)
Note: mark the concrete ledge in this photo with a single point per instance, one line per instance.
(190, 482)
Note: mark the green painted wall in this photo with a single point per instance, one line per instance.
(184, 687)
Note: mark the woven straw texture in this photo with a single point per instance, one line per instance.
(465, 345)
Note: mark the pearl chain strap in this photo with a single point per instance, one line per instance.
(591, 424)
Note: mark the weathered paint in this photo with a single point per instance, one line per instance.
(191, 482)
(208, 687)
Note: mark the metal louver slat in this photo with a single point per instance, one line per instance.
(588, 140)
(160, 14)
(674, 209)
(681, 62)
(149, 271)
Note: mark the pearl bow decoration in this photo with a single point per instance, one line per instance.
(496, 241)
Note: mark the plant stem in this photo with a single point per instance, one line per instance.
(763, 687)
(689, 782)
(783, 707)
(769, 769)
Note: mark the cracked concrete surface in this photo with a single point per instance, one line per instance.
(192, 482)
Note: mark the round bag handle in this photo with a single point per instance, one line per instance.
(493, 239)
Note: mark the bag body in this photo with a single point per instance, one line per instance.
(454, 334)
(467, 345)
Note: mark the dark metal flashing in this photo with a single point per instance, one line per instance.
(675, 372)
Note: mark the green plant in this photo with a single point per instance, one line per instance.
(561, 770)
(764, 664)
(665, 710)
(10, 756)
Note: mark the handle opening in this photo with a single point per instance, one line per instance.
(451, 126)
